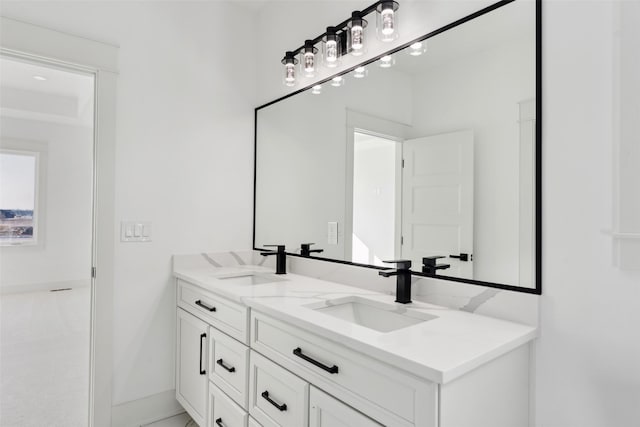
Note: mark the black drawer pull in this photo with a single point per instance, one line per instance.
(221, 363)
(205, 306)
(331, 369)
(202, 371)
(219, 422)
(282, 407)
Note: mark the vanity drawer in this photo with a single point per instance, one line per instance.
(217, 311)
(253, 423)
(229, 366)
(277, 398)
(387, 394)
(326, 411)
(223, 412)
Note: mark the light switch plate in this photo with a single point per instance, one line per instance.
(135, 231)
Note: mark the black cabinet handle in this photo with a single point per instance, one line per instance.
(205, 306)
(221, 363)
(331, 369)
(219, 422)
(282, 407)
(202, 372)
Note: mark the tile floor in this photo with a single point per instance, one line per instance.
(44, 358)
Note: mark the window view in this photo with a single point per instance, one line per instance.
(18, 180)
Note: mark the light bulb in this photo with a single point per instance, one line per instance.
(388, 21)
(386, 61)
(290, 74)
(309, 63)
(331, 52)
(360, 72)
(316, 90)
(337, 81)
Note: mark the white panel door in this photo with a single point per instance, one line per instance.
(191, 365)
(437, 200)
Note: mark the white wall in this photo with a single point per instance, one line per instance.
(586, 358)
(186, 94)
(63, 252)
(481, 92)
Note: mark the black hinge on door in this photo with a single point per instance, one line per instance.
(403, 163)
(93, 272)
(402, 240)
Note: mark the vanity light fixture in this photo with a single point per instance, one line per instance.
(337, 81)
(289, 61)
(316, 90)
(387, 20)
(387, 61)
(349, 36)
(360, 72)
(308, 58)
(418, 48)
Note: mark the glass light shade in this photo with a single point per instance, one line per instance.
(387, 61)
(331, 48)
(289, 61)
(316, 90)
(337, 81)
(417, 48)
(357, 34)
(387, 21)
(360, 72)
(308, 59)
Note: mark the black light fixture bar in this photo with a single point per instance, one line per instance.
(342, 27)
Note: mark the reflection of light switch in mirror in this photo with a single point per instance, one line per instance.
(135, 231)
(332, 233)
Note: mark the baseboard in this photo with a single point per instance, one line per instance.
(146, 410)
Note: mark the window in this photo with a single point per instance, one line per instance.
(18, 197)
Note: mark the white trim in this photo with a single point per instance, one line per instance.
(34, 43)
(146, 410)
(39, 151)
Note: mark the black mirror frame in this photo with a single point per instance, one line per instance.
(537, 290)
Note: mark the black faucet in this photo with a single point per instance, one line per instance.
(281, 258)
(305, 249)
(430, 265)
(403, 284)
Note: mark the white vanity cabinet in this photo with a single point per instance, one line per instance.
(240, 367)
(191, 360)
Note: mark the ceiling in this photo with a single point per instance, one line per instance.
(36, 92)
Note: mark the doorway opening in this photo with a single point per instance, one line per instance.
(376, 195)
(47, 142)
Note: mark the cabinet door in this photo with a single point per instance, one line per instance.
(326, 411)
(191, 365)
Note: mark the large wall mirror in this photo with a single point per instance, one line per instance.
(435, 155)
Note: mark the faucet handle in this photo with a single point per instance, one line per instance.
(431, 261)
(402, 264)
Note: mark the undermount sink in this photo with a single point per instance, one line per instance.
(380, 316)
(250, 279)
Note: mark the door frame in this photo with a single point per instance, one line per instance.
(23, 41)
(375, 126)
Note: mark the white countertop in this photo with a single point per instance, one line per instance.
(438, 350)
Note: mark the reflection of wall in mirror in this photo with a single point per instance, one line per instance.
(301, 158)
(482, 91)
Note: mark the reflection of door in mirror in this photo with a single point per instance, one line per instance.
(437, 207)
(376, 192)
